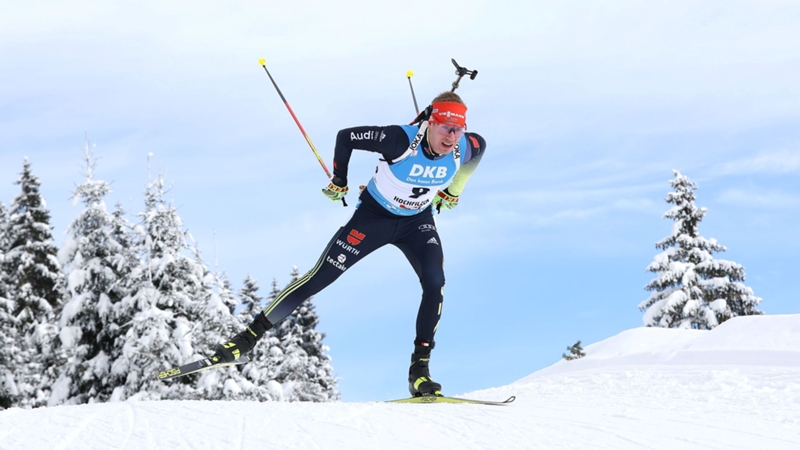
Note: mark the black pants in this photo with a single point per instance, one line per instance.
(370, 228)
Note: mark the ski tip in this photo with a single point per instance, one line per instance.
(410, 73)
(262, 61)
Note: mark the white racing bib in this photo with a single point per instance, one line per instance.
(408, 184)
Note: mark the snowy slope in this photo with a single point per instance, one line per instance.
(735, 387)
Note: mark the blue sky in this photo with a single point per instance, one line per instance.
(586, 108)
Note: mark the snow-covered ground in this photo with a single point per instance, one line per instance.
(736, 387)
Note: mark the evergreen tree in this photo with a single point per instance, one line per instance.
(575, 352)
(3, 250)
(36, 283)
(320, 371)
(8, 326)
(223, 286)
(97, 258)
(251, 301)
(261, 371)
(129, 267)
(162, 305)
(9, 394)
(31, 263)
(303, 370)
(692, 289)
(217, 322)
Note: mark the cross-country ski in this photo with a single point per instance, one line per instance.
(198, 366)
(429, 399)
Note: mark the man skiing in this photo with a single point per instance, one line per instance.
(422, 167)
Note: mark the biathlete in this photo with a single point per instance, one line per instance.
(422, 168)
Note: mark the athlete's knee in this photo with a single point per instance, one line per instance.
(432, 281)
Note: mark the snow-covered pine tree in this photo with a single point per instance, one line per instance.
(31, 263)
(8, 344)
(320, 370)
(575, 352)
(97, 259)
(3, 251)
(724, 291)
(9, 395)
(129, 267)
(692, 289)
(250, 299)
(267, 354)
(161, 305)
(305, 372)
(36, 285)
(223, 286)
(217, 323)
(4, 293)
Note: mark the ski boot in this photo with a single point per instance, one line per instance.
(243, 342)
(419, 376)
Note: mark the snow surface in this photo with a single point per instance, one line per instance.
(736, 387)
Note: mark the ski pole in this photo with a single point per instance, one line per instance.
(263, 63)
(410, 74)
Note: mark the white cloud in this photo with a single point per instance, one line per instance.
(774, 162)
(759, 199)
(563, 216)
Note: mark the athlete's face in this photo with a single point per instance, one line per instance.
(443, 138)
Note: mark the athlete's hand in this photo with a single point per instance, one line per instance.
(444, 200)
(336, 190)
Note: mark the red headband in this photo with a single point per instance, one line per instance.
(450, 113)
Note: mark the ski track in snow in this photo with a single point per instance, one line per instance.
(663, 407)
(130, 416)
(623, 395)
(242, 433)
